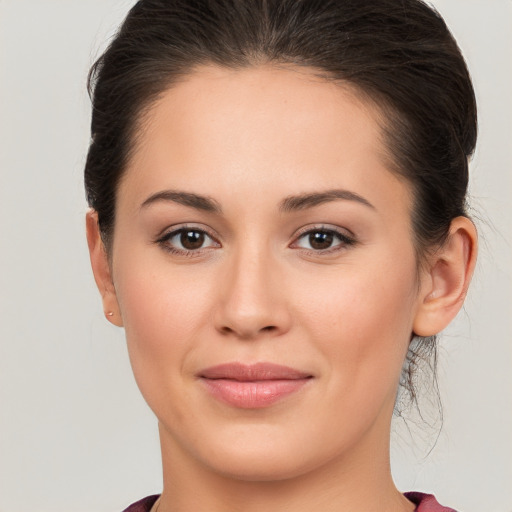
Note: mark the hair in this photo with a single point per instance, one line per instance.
(397, 53)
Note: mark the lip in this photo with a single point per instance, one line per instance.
(252, 386)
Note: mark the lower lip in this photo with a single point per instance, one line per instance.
(253, 394)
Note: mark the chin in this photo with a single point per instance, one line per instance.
(262, 455)
(261, 467)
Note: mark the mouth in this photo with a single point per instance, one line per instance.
(252, 386)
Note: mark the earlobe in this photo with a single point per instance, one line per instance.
(446, 281)
(101, 269)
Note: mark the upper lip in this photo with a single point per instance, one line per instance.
(253, 372)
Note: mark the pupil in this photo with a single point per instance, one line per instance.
(321, 240)
(192, 239)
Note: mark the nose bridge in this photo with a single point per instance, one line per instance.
(250, 301)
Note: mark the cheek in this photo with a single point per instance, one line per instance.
(163, 311)
(362, 322)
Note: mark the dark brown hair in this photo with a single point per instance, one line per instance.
(398, 53)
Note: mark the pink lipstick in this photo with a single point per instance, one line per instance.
(252, 386)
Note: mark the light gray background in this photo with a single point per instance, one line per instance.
(75, 435)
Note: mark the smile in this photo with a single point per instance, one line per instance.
(252, 386)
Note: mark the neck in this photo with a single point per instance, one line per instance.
(360, 481)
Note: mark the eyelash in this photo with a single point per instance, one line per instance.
(344, 240)
(164, 241)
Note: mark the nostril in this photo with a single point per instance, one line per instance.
(226, 330)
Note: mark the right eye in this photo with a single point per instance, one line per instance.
(323, 240)
(187, 241)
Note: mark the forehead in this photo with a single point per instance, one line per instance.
(283, 128)
(263, 100)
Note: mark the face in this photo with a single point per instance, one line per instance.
(265, 272)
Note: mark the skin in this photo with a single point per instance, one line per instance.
(257, 290)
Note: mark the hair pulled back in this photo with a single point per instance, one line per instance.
(398, 53)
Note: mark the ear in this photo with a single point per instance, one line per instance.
(101, 269)
(445, 282)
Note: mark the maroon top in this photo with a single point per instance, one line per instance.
(424, 502)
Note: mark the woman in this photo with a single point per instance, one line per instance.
(277, 194)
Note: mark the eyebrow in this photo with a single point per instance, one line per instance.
(196, 201)
(309, 200)
(289, 204)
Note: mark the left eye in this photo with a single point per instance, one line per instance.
(188, 239)
(322, 239)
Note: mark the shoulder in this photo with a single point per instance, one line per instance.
(143, 505)
(426, 502)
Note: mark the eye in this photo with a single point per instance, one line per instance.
(187, 240)
(323, 240)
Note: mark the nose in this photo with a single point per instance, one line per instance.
(252, 301)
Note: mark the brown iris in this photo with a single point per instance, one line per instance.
(321, 240)
(192, 240)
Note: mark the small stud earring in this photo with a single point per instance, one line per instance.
(110, 313)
